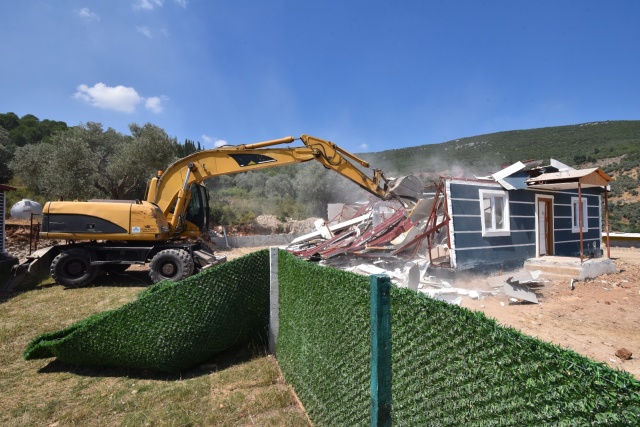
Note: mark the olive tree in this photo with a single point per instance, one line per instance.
(136, 160)
(60, 169)
(86, 162)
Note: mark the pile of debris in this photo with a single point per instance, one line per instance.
(380, 237)
(386, 237)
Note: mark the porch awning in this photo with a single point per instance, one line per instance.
(565, 180)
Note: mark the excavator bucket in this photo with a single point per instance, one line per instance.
(406, 187)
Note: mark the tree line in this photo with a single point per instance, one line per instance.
(49, 160)
(58, 162)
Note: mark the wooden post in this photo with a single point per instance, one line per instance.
(606, 218)
(380, 351)
(580, 220)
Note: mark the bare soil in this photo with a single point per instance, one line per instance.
(596, 319)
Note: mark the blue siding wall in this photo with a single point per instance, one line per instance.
(567, 241)
(478, 252)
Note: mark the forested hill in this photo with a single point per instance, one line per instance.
(483, 154)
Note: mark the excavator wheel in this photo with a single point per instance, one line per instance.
(171, 264)
(73, 268)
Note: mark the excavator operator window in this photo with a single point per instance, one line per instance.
(244, 160)
(198, 209)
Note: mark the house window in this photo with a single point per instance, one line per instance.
(575, 215)
(495, 213)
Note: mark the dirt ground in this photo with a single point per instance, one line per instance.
(596, 319)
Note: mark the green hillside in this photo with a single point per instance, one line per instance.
(612, 145)
(573, 145)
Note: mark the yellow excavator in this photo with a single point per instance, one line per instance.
(111, 235)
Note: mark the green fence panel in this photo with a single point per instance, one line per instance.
(451, 366)
(171, 326)
(323, 342)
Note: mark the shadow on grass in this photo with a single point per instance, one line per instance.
(128, 278)
(133, 278)
(233, 356)
(28, 284)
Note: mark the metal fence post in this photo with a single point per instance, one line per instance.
(380, 351)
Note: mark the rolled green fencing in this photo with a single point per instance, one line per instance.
(171, 326)
(451, 366)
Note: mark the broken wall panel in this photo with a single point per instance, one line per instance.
(385, 230)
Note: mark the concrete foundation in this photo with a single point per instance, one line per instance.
(254, 241)
(557, 267)
(622, 240)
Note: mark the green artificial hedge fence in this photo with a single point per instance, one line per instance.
(171, 326)
(451, 366)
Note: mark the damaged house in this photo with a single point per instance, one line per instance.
(527, 210)
(487, 224)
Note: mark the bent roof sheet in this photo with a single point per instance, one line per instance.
(592, 177)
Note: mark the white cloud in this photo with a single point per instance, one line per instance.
(145, 31)
(213, 142)
(154, 104)
(152, 4)
(147, 4)
(85, 13)
(364, 146)
(118, 98)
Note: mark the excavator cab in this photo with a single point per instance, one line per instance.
(198, 210)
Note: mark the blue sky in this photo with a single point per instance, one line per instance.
(368, 75)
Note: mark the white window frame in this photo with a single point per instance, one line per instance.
(490, 229)
(575, 219)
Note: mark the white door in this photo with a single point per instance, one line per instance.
(542, 227)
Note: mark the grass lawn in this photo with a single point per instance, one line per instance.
(240, 387)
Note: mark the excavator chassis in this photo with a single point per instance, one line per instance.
(78, 264)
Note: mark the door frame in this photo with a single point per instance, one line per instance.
(548, 199)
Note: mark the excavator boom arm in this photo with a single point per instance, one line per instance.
(171, 190)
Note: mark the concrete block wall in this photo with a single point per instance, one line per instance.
(254, 241)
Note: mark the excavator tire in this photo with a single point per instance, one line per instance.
(73, 268)
(171, 264)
